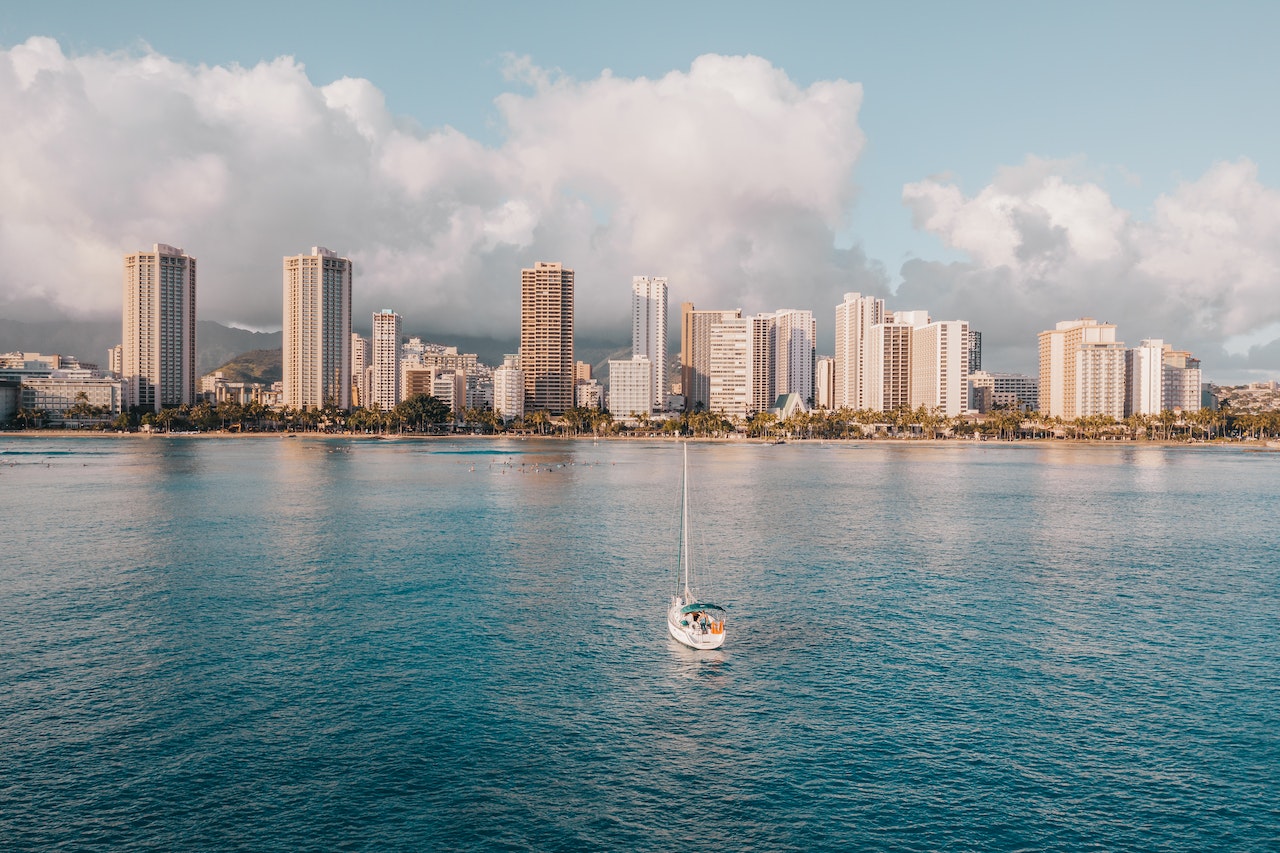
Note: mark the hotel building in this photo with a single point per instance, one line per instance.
(649, 332)
(1079, 372)
(887, 365)
(384, 391)
(158, 349)
(361, 361)
(546, 337)
(631, 387)
(695, 353)
(940, 367)
(795, 339)
(854, 318)
(988, 390)
(316, 350)
(508, 388)
(729, 366)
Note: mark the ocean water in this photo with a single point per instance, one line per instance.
(315, 644)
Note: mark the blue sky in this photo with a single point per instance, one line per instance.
(1138, 101)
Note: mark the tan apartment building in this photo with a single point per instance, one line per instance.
(316, 349)
(546, 337)
(158, 345)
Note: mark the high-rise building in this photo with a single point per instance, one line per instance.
(508, 388)
(940, 367)
(975, 351)
(361, 361)
(887, 365)
(649, 331)
(385, 390)
(158, 349)
(1181, 380)
(1144, 387)
(316, 348)
(762, 364)
(695, 353)
(824, 382)
(1100, 388)
(1060, 362)
(631, 386)
(546, 337)
(795, 335)
(854, 318)
(729, 366)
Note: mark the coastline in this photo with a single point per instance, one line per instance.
(1249, 445)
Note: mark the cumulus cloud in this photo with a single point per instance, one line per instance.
(729, 178)
(1046, 244)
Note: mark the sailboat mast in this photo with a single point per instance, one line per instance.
(684, 519)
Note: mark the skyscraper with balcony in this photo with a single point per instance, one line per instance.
(546, 337)
(361, 360)
(649, 331)
(158, 344)
(729, 368)
(695, 353)
(385, 390)
(316, 348)
(1069, 391)
(795, 337)
(854, 318)
(940, 367)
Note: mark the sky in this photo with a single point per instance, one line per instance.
(1008, 164)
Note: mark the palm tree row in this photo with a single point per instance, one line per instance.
(425, 413)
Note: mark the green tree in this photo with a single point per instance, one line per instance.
(422, 410)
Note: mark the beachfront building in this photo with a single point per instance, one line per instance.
(854, 318)
(384, 391)
(546, 337)
(588, 394)
(1012, 390)
(824, 382)
(729, 367)
(887, 364)
(1062, 358)
(1144, 369)
(508, 389)
(795, 351)
(361, 361)
(761, 374)
(649, 332)
(64, 389)
(695, 353)
(1182, 381)
(316, 344)
(631, 387)
(940, 367)
(158, 348)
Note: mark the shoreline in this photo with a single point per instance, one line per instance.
(1255, 445)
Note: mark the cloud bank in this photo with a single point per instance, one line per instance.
(1202, 272)
(728, 178)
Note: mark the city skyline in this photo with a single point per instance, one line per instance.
(782, 170)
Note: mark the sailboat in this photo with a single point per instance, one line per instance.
(696, 623)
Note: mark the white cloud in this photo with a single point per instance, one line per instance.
(729, 178)
(1047, 245)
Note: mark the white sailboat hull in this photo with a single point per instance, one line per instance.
(692, 635)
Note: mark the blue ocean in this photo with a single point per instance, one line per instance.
(284, 644)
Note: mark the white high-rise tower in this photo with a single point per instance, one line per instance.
(386, 359)
(854, 318)
(649, 331)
